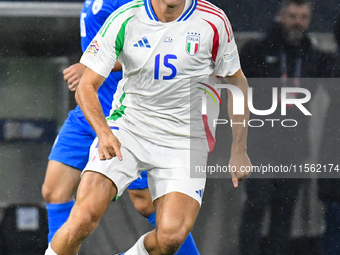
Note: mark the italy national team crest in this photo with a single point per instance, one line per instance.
(93, 48)
(193, 43)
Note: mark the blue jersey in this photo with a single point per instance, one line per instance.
(76, 136)
(92, 17)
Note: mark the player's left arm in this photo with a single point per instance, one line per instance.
(239, 157)
(227, 64)
(73, 73)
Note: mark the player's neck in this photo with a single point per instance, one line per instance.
(168, 10)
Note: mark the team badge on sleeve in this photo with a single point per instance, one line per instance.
(193, 43)
(93, 48)
(96, 7)
(230, 55)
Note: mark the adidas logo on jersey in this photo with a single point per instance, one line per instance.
(142, 43)
(199, 192)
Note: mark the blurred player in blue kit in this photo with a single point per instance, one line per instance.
(70, 152)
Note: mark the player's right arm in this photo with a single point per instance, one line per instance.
(87, 99)
(100, 58)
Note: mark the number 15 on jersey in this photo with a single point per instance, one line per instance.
(167, 64)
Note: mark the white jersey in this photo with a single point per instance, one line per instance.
(155, 99)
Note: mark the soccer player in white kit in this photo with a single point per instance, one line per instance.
(163, 46)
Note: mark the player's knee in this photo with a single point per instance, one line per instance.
(55, 195)
(83, 223)
(171, 237)
(88, 222)
(47, 193)
(79, 230)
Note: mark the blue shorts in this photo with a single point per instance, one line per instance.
(140, 183)
(72, 146)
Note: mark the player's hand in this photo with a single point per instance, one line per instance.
(241, 163)
(72, 75)
(109, 147)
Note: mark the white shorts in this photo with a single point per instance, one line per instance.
(168, 168)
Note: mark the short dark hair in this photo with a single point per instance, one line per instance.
(286, 3)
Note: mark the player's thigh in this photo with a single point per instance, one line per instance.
(176, 214)
(61, 182)
(94, 195)
(174, 171)
(142, 201)
(176, 193)
(140, 195)
(121, 172)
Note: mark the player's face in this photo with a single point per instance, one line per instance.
(173, 3)
(168, 10)
(295, 20)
